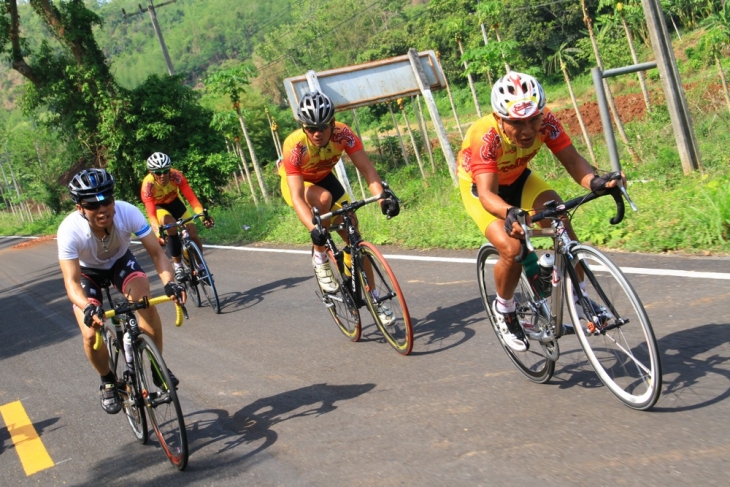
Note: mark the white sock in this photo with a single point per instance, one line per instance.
(320, 257)
(505, 305)
(177, 264)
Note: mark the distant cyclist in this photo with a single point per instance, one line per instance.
(93, 250)
(307, 181)
(161, 190)
(495, 182)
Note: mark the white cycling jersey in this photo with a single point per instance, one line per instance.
(77, 241)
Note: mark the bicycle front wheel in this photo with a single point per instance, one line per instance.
(191, 284)
(163, 406)
(126, 383)
(385, 299)
(537, 362)
(614, 331)
(342, 304)
(204, 277)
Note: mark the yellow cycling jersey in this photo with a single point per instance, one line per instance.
(154, 194)
(314, 163)
(486, 149)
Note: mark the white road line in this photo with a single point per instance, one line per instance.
(457, 260)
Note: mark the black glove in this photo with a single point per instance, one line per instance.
(318, 236)
(511, 218)
(390, 207)
(598, 183)
(91, 310)
(174, 289)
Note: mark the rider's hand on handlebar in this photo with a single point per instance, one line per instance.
(93, 315)
(176, 292)
(209, 222)
(512, 223)
(319, 237)
(390, 207)
(606, 181)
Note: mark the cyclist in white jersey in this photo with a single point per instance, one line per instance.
(93, 251)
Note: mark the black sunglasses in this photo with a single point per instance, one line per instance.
(95, 205)
(316, 128)
(161, 172)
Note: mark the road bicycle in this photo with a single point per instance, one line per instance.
(142, 378)
(374, 285)
(197, 272)
(610, 322)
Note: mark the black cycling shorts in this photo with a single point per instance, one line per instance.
(124, 270)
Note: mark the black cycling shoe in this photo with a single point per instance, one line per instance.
(110, 400)
(157, 379)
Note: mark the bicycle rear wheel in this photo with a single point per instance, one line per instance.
(618, 339)
(385, 300)
(537, 363)
(163, 406)
(191, 284)
(204, 277)
(126, 384)
(342, 304)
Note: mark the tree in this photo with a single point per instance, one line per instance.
(230, 82)
(716, 42)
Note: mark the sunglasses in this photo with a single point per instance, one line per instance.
(313, 129)
(95, 205)
(161, 172)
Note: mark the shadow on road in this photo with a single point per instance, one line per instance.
(251, 426)
(447, 327)
(237, 301)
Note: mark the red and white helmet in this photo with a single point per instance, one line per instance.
(517, 95)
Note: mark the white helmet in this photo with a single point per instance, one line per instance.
(517, 96)
(158, 161)
(315, 108)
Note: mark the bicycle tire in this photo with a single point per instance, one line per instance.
(126, 385)
(163, 405)
(535, 362)
(342, 304)
(400, 332)
(191, 284)
(625, 356)
(204, 277)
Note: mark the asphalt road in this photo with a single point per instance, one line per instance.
(274, 394)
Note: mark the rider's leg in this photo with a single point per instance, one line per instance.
(99, 359)
(193, 231)
(320, 198)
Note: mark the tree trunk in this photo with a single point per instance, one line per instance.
(357, 129)
(453, 106)
(254, 160)
(609, 96)
(486, 42)
(499, 39)
(424, 132)
(583, 129)
(471, 81)
(248, 175)
(724, 81)
(413, 142)
(400, 138)
(640, 74)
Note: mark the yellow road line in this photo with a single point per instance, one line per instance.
(32, 453)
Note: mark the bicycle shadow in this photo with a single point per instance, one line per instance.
(683, 357)
(242, 300)
(436, 331)
(252, 425)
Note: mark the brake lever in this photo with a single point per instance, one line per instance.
(626, 195)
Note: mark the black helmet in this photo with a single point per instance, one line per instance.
(91, 185)
(315, 108)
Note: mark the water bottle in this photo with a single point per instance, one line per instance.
(128, 349)
(546, 263)
(532, 270)
(347, 261)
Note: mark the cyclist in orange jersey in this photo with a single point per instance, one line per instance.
(495, 182)
(160, 193)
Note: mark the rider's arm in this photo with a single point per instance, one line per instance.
(366, 168)
(159, 258)
(487, 187)
(71, 270)
(296, 190)
(576, 165)
(189, 194)
(148, 198)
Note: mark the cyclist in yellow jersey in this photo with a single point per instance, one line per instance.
(307, 181)
(160, 194)
(495, 182)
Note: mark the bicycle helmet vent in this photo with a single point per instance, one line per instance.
(517, 96)
(91, 185)
(315, 108)
(158, 161)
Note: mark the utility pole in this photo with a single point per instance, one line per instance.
(689, 152)
(156, 25)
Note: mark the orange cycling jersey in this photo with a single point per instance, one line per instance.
(486, 149)
(154, 194)
(313, 163)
